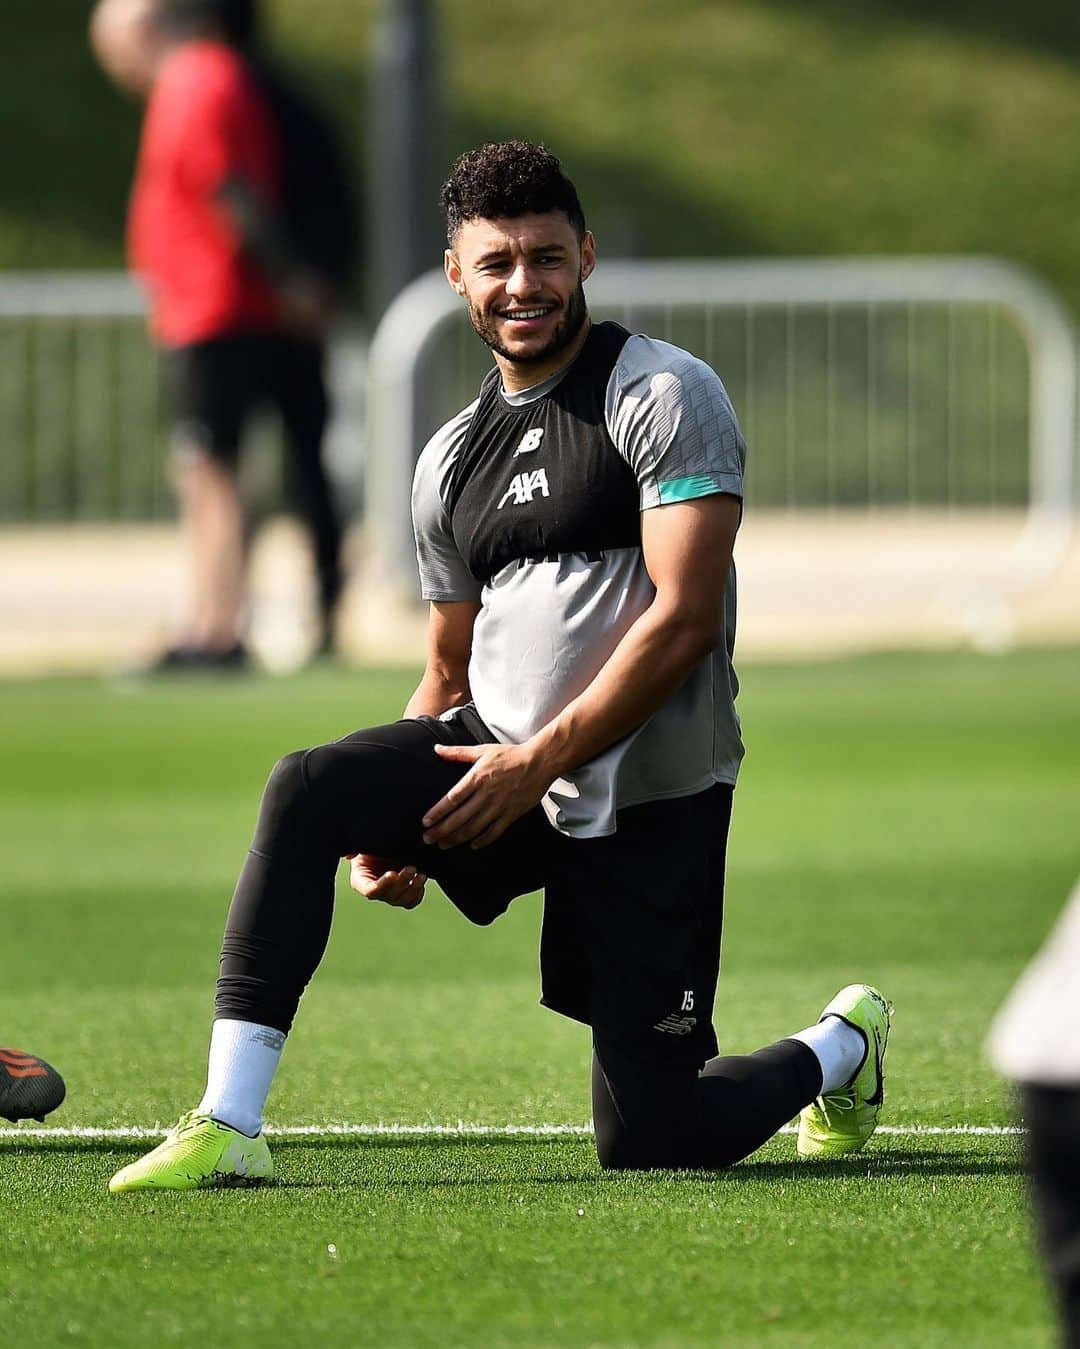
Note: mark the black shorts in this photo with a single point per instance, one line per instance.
(630, 943)
(216, 386)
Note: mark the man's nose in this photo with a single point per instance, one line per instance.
(523, 280)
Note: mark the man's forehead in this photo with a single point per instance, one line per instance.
(480, 235)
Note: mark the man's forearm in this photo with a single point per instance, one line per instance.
(653, 658)
(435, 693)
(445, 682)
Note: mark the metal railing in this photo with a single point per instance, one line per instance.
(83, 418)
(865, 387)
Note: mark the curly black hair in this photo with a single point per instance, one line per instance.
(508, 178)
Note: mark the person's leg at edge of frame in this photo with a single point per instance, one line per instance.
(1052, 1115)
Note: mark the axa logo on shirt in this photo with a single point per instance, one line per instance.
(530, 441)
(524, 486)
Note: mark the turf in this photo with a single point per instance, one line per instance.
(906, 819)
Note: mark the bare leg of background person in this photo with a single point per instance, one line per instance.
(1052, 1115)
(213, 520)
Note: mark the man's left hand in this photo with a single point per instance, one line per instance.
(504, 783)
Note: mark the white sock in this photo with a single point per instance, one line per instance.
(243, 1060)
(840, 1050)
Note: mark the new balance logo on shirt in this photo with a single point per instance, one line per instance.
(530, 441)
(524, 486)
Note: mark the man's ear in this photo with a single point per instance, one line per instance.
(588, 254)
(452, 268)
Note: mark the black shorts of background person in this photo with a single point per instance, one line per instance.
(215, 389)
(1052, 1115)
(630, 943)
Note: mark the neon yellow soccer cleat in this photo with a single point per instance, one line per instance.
(198, 1153)
(840, 1122)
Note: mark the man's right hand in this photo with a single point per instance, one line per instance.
(380, 878)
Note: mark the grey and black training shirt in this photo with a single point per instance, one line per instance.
(530, 504)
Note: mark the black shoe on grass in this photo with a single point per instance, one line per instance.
(29, 1087)
(201, 660)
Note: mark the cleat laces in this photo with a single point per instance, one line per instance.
(838, 1100)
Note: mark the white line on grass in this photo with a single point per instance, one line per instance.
(463, 1130)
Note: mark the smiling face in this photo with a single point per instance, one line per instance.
(522, 279)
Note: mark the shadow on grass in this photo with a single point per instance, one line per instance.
(869, 1166)
(915, 1164)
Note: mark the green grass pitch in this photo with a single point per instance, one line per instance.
(908, 819)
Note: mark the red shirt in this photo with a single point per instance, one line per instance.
(206, 122)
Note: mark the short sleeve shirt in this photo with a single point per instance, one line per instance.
(206, 123)
(545, 628)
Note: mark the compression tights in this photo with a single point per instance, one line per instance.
(283, 905)
(647, 1116)
(364, 793)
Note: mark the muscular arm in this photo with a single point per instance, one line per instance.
(445, 681)
(687, 550)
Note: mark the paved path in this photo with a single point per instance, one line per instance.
(94, 597)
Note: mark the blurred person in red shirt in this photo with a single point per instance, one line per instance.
(238, 310)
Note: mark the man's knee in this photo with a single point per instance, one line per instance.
(359, 794)
(664, 1149)
(202, 471)
(646, 1117)
(628, 1124)
(287, 813)
(286, 781)
(615, 1149)
(653, 1147)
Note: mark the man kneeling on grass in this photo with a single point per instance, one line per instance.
(574, 729)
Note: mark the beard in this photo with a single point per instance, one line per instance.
(566, 330)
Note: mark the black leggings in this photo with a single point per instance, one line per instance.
(647, 1116)
(1053, 1120)
(367, 793)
